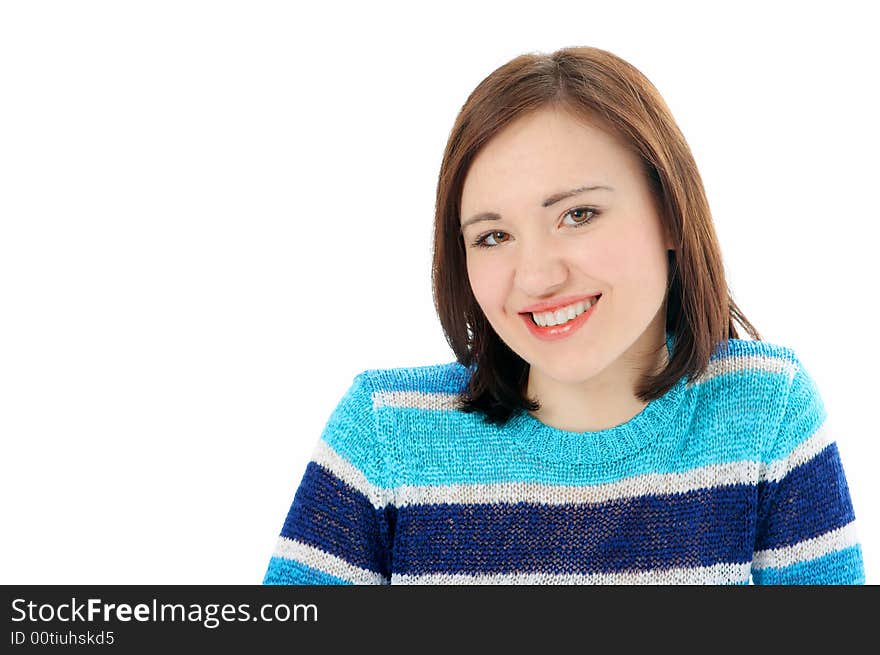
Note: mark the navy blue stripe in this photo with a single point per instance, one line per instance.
(810, 500)
(333, 516)
(697, 528)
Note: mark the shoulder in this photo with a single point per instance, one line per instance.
(762, 361)
(756, 357)
(757, 373)
(751, 387)
(435, 386)
(781, 389)
(445, 379)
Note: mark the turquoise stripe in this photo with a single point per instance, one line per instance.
(840, 567)
(805, 412)
(436, 447)
(448, 447)
(283, 571)
(351, 431)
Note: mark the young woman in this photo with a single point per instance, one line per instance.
(603, 422)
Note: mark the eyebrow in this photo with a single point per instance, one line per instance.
(556, 197)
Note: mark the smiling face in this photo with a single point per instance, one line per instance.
(607, 241)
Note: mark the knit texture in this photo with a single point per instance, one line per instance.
(732, 478)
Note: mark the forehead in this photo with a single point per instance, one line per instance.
(542, 152)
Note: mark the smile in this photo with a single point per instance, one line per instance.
(551, 326)
(563, 314)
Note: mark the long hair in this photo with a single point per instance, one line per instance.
(607, 91)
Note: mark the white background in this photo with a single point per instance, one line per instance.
(213, 215)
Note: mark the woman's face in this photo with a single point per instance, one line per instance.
(607, 241)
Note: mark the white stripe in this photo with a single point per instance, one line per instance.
(415, 400)
(723, 573)
(327, 457)
(704, 477)
(714, 475)
(800, 454)
(318, 559)
(736, 363)
(716, 367)
(808, 549)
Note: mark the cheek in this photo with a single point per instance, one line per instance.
(487, 284)
(600, 260)
(623, 256)
(644, 263)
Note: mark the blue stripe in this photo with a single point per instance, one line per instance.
(810, 500)
(840, 567)
(331, 515)
(283, 571)
(698, 528)
(436, 378)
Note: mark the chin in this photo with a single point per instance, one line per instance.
(566, 370)
(573, 376)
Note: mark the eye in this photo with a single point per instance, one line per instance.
(482, 241)
(593, 212)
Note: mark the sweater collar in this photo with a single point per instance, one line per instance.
(600, 446)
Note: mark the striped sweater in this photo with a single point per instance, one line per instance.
(732, 478)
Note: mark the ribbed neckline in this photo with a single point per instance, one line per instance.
(612, 444)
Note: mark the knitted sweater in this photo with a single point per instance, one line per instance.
(731, 478)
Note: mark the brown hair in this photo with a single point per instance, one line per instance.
(605, 90)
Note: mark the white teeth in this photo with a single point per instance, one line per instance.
(546, 319)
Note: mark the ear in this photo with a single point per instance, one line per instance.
(669, 244)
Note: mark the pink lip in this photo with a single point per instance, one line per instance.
(556, 303)
(556, 332)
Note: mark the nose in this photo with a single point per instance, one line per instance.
(539, 270)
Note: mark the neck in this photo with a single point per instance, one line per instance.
(602, 401)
